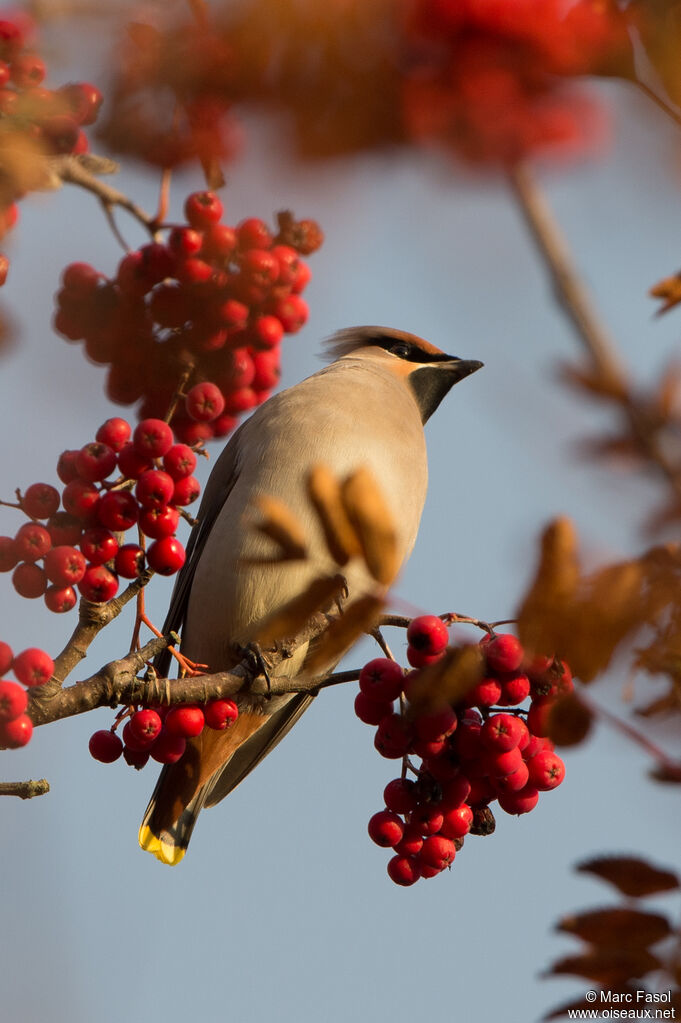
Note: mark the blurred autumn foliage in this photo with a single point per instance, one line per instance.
(625, 942)
(494, 84)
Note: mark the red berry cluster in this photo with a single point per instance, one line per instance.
(50, 121)
(215, 298)
(79, 546)
(472, 754)
(31, 667)
(160, 732)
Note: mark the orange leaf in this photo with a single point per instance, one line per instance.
(368, 512)
(324, 492)
(356, 620)
(619, 927)
(293, 616)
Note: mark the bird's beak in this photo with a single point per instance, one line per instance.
(432, 382)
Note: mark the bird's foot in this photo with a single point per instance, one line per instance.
(187, 666)
(256, 659)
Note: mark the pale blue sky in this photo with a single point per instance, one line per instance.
(282, 909)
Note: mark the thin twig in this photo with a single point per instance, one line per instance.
(72, 171)
(24, 789)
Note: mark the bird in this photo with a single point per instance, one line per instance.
(365, 408)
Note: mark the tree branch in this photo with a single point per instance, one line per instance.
(24, 789)
(643, 422)
(74, 171)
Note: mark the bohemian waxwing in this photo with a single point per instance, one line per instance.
(365, 409)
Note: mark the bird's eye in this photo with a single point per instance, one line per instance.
(402, 349)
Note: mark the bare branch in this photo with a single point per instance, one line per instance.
(74, 171)
(24, 789)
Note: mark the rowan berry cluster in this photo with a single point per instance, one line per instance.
(120, 480)
(160, 732)
(34, 121)
(32, 667)
(471, 754)
(213, 299)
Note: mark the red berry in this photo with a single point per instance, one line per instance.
(482, 792)
(80, 498)
(29, 580)
(293, 312)
(40, 500)
(288, 261)
(538, 716)
(131, 463)
(515, 689)
(467, 741)
(154, 488)
(393, 736)
(437, 725)
(427, 819)
(95, 461)
(546, 770)
(455, 791)
(80, 279)
(419, 659)
(203, 209)
(115, 433)
(267, 369)
(428, 634)
(185, 242)
(168, 749)
(186, 720)
(130, 561)
(537, 744)
(186, 491)
(166, 556)
(32, 541)
(159, 522)
(403, 870)
(381, 679)
(33, 667)
(118, 511)
(64, 566)
(98, 584)
(504, 652)
(204, 402)
(6, 657)
(514, 781)
(521, 801)
(145, 725)
(152, 438)
(9, 556)
(13, 700)
(64, 529)
(17, 732)
(27, 70)
(253, 234)
(438, 852)
(134, 742)
(504, 763)
(220, 714)
(501, 732)
(232, 314)
(386, 828)
(66, 466)
(457, 822)
(266, 332)
(179, 461)
(411, 841)
(135, 758)
(371, 712)
(219, 241)
(401, 795)
(98, 545)
(60, 599)
(84, 99)
(486, 693)
(105, 746)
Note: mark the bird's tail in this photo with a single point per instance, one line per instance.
(213, 765)
(168, 842)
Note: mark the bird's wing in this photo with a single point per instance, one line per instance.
(218, 489)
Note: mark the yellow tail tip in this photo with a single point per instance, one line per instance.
(163, 851)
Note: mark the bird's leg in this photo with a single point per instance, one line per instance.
(254, 655)
(187, 666)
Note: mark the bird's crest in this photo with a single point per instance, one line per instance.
(350, 339)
